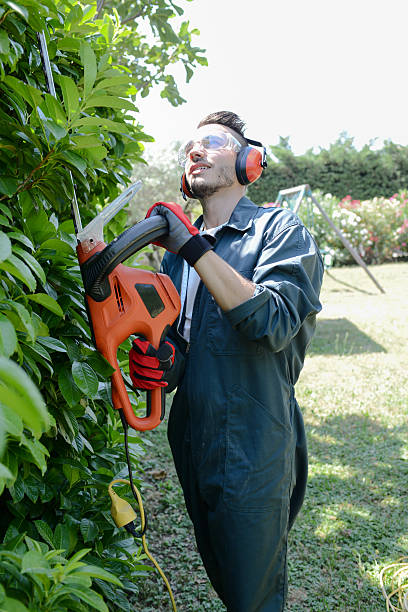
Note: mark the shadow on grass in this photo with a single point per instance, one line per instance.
(349, 285)
(354, 517)
(341, 337)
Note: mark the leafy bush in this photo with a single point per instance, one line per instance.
(340, 170)
(377, 228)
(60, 440)
(45, 579)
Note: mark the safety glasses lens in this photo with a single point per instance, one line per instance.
(208, 142)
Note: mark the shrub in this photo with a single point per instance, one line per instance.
(60, 440)
(377, 228)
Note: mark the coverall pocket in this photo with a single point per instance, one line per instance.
(259, 454)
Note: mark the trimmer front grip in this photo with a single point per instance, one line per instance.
(120, 400)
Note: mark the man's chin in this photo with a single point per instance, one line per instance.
(201, 188)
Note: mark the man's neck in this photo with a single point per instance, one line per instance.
(218, 207)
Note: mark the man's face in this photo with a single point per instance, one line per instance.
(210, 169)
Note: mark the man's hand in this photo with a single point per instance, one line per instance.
(147, 366)
(183, 237)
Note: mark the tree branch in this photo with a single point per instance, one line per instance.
(139, 14)
(99, 7)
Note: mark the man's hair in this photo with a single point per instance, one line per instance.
(229, 120)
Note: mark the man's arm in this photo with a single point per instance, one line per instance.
(226, 285)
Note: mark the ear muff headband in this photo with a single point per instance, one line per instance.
(248, 167)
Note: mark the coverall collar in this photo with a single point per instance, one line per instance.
(241, 217)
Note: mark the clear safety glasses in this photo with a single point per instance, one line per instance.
(209, 142)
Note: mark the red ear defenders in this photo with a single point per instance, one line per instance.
(248, 166)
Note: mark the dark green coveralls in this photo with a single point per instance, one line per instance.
(235, 428)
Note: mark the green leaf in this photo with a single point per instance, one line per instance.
(69, 44)
(57, 245)
(61, 537)
(16, 267)
(75, 160)
(88, 596)
(71, 474)
(112, 126)
(55, 109)
(113, 82)
(23, 317)
(88, 529)
(21, 238)
(10, 421)
(97, 153)
(52, 343)
(21, 10)
(70, 94)
(28, 92)
(13, 605)
(5, 209)
(19, 393)
(110, 102)
(47, 301)
(8, 185)
(68, 388)
(45, 532)
(6, 474)
(5, 246)
(94, 571)
(33, 560)
(85, 141)
(8, 338)
(4, 42)
(85, 378)
(32, 262)
(88, 60)
(38, 452)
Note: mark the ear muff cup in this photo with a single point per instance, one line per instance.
(248, 165)
(184, 188)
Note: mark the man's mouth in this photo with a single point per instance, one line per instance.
(197, 169)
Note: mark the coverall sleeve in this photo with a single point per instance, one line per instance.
(176, 372)
(288, 275)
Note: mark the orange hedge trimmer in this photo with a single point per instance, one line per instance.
(122, 301)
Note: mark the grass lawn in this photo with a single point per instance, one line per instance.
(353, 392)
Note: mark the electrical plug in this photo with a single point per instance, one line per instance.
(121, 511)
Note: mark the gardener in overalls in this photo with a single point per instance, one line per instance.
(249, 279)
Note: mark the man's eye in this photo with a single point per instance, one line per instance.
(213, 142)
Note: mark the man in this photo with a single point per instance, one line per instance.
(249, 303)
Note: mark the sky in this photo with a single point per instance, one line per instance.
(307, 69)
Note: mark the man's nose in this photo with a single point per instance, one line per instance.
(197, 150)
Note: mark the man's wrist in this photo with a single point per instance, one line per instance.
(195, 248)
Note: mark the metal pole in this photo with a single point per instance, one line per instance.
(51, 88)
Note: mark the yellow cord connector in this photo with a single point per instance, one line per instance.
(123, 514)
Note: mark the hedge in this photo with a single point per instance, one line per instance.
(340, 170)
